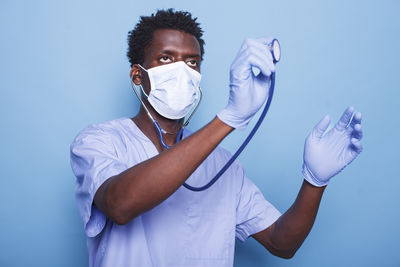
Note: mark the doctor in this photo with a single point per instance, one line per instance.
(129, 186)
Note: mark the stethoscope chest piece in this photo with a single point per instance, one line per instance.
(275, 49)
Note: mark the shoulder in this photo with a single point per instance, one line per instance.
(105, 133)
(222, 154)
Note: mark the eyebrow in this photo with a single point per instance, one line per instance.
(194, 55)
(169, 52)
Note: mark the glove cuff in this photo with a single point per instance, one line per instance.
(233, 121)
(309, 177)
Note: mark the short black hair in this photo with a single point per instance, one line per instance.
(142, 35)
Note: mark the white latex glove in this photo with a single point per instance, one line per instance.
(247, 91)
(326, 155)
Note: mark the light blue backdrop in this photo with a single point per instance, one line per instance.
(63, 66)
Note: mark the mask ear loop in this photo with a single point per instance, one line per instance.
(140, 99)
(180, 133)
(148, 113)
(194, 110)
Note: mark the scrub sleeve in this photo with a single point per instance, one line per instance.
(253, 213)
(93, 161)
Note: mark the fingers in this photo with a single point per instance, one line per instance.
(357, 146)
(256, 54)
(265, 52)
(265, 40)
(355, 126)
(357, 132)
(345, 119)
(321, 127)
(356, 119)
(257, 61)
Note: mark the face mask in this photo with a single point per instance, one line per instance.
(174, 89)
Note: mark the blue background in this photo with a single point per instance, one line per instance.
(63, 66)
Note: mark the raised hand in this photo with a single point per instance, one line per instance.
(248, 91)
(326, 155)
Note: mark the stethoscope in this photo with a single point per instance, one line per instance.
(275, 49)
(160, 130)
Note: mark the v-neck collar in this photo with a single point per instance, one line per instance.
(134, 129)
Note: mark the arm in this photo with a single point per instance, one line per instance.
(145, 185)
(325, 155)
(286, 235)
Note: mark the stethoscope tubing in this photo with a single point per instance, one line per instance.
(242, 147)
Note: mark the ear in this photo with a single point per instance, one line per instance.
(136, 74)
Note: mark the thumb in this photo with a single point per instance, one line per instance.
(321, 127)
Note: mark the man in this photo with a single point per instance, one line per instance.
(130, 171)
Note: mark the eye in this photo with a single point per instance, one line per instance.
(165, 59)
(192, 63)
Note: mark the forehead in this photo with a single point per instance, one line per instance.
(173, 40)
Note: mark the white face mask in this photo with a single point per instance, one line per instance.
(174, 89)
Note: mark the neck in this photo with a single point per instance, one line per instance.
(146, 125)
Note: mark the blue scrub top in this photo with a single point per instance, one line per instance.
(187, 229)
